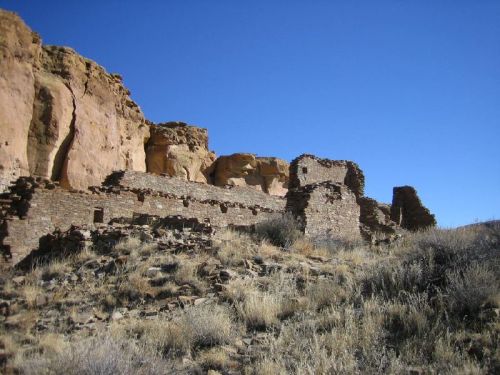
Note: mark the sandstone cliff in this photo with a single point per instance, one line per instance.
(267, 174)
(62, 116)
(179, 150)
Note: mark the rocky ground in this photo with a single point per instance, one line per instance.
(178, 297)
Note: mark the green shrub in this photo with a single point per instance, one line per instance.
(281, 231)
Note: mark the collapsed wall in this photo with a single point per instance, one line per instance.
(408, 211)
(309, 169)
(34, 208)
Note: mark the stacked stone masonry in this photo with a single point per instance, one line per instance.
(408, 211)
(325, 209)
(35, 210)
(309, 169)
(69, 124)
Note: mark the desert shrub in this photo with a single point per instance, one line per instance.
(326, 292)
(340, 243)
(166, 338)
(101, 355)
(467, 291)
(281, 231)
(259, 310)
(208, 325)
(234, 247)
(135, 287)
(215, 359)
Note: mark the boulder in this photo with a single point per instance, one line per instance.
(267, 174)
(179, 150)
(62, 116)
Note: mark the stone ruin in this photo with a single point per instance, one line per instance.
(33, 208)
(75, 150)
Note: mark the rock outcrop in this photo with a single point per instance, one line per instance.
(179, 150)
(62, 116)
(408, 211)
(267, 174)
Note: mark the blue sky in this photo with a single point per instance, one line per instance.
(410, 90)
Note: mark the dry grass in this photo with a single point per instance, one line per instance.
(234, 247)
(426, 304)
(136, 286)
(30, 293)
(215, 359)
(100, 355)
(208, 325)
(259, 310)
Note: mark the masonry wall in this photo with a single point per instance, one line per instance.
(309, 169)
(325, 209)
(47, 209)
(237, 195)
(408, 211)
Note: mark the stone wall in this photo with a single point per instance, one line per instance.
(325, 209)
(309, 169)
(34, 209)
(244, 196)
(408, 211)
(375, 218)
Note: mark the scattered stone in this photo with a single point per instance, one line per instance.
(116, 316)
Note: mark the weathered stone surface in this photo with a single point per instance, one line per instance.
(34, 209)
(266, 174)
(375, 218)
(179, 150)
(62, 116)
(325, 209)
(107, 131)
(408, 211)
(19, 51)
(309, 169)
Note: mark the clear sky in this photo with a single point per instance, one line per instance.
(410, 90)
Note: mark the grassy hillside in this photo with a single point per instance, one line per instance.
(427, 303)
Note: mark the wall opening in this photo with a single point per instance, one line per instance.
(304, 170)
(223, 208)
(98, 215)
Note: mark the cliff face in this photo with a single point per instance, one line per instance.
(62, 116)
(176, 149)
(267, 174)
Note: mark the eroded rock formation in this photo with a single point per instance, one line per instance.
(83, 147)
(267, 174)
(62, 116)
(179, 150)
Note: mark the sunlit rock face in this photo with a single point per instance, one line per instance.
(267, 174)
(62, 116)
(179, 150)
